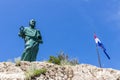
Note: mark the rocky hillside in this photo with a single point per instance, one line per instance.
(11, 71)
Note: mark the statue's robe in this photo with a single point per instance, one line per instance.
(32, 38)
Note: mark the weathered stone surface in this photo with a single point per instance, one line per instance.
(9, 71)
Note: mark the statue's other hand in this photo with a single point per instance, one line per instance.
(21, 28)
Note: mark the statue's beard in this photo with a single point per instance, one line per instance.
(32, 26)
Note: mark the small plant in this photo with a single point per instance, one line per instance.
(54, 60)
(65, 62)
(63, 56)
(62, 59)
(32, 72)
(37, 72)
(74, 61)
(17, 61)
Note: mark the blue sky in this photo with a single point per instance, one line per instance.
(66, 25)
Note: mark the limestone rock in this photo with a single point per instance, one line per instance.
(9, 71)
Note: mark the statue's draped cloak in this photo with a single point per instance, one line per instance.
(32, 39)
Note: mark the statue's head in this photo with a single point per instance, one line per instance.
(32, 23)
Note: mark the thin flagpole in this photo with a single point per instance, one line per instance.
(99, 61)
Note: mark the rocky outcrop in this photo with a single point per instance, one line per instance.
(9, 71)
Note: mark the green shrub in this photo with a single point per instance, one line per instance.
(37, 72)
(54, 60)
(63, 59)
(32, 73)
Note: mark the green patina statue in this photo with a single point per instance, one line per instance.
(32, 38)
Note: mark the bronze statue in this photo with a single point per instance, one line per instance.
(32, 38)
